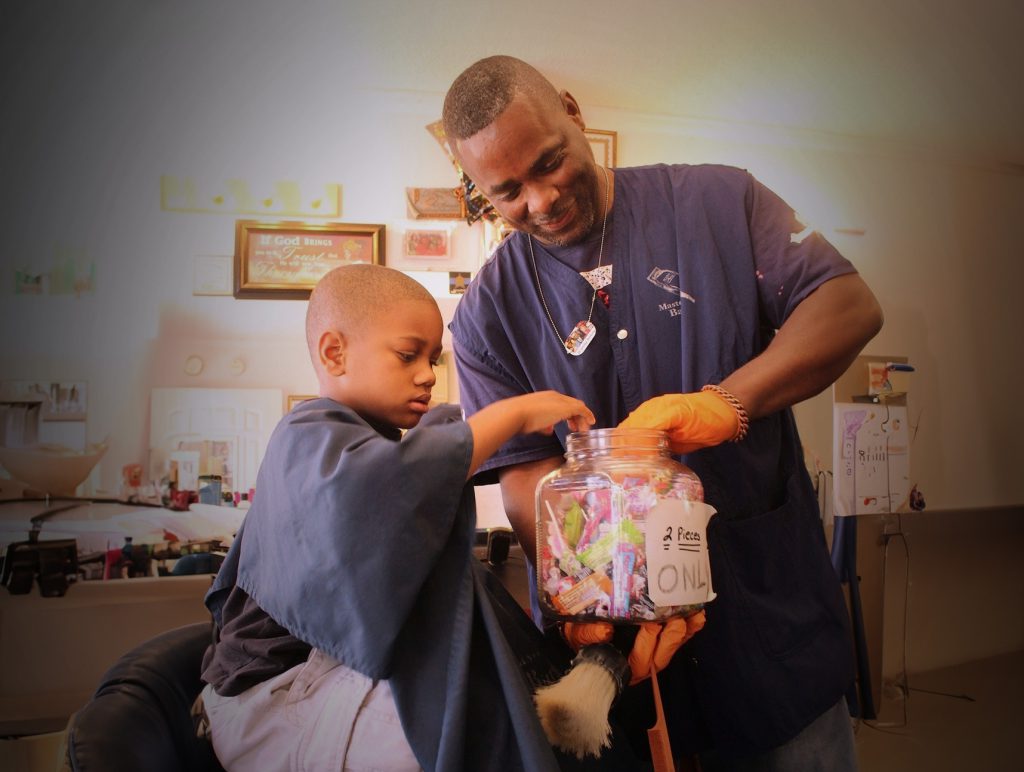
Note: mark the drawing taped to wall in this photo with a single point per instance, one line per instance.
(284, 198)
(872, 458)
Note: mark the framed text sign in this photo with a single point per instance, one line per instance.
(286, 259)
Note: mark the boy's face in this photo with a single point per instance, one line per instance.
(388, 369)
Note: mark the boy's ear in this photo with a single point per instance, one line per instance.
(331, 349)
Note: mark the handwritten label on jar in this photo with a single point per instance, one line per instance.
(678, 570)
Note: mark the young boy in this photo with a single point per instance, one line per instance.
(354, 630)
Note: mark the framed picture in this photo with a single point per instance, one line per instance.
(294, 399)
(439, 393)
(59, 400)
(458, 281)
(419, 246)
(434, 204)
(281, 198)
(425, 243)
(286, 259)
(603, 144)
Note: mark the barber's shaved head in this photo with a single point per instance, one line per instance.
(350, 296)
(483, 91)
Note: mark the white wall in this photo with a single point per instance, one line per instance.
(103, 104)
(101, 99)
(941, 249)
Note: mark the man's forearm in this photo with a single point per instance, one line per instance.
(816, 345)
(518, 494)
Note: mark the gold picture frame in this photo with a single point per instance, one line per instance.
(603, 144)
(294, 399)
(434, 204)
(286, 259)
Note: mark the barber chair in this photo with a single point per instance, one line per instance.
(140, 716)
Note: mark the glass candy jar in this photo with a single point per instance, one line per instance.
(621, 531)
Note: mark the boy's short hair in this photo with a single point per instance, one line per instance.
(485, 89)
(348, 297)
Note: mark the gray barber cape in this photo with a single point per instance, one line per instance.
(359, 542)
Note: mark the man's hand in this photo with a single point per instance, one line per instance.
(580, 634)
(693, 421)
(655, 643)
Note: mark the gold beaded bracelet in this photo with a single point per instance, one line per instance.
(735, 404)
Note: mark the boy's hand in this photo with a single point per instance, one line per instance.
(543, 409)
(493, 425)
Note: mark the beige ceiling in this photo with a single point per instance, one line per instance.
(920, 72)
(946, 73)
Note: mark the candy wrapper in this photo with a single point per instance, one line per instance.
(597, 547)
(621, 537)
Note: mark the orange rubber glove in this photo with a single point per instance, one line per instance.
(580, 634)
(693, 421)
(656, 643)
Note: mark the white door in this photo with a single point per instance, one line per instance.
(227, 428)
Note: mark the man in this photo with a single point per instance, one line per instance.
(686, 298)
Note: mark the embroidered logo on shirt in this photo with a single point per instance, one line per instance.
(668, 281)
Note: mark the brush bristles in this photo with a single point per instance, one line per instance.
(574, 710)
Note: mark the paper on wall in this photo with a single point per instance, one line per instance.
(871, 458)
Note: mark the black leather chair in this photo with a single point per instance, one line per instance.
(140, 715)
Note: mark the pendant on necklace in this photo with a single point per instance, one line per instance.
(580, 338)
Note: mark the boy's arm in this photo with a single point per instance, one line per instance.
(495, 424)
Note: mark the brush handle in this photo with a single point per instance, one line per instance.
(657, 735)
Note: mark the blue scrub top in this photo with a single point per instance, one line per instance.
(707, 264)
(705, 269)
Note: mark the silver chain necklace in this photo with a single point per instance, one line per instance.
(578, 340)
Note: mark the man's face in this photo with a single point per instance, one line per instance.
(535, 165)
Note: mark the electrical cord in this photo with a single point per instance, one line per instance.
(823, 489)
(967, 697)
(902, 681)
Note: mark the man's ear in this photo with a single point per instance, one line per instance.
(331, 349)
(572, 108)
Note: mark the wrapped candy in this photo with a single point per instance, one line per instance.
(596, 547)
(622, 538)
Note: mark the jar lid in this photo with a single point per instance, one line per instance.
(617, 438)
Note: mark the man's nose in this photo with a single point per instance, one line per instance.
(542, 199)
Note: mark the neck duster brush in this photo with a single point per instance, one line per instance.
(574, 710)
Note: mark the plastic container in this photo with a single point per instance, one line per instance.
(621, 531)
